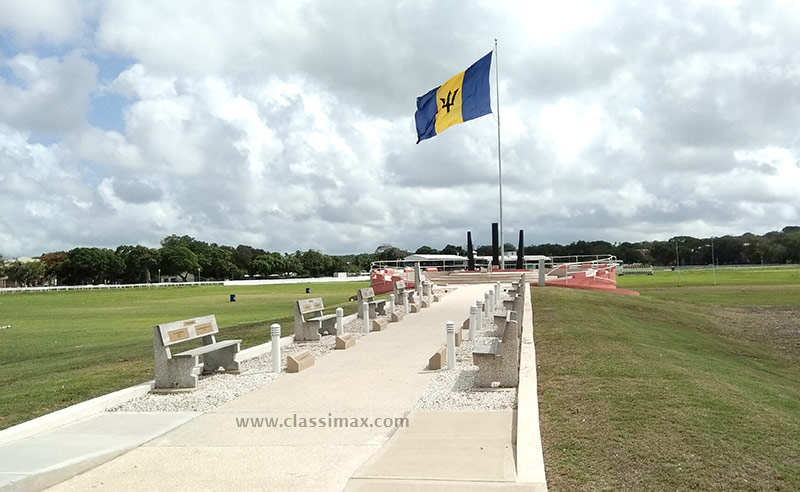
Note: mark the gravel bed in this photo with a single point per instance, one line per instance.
(455, 389)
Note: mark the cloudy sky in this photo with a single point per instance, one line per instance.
(289, 125)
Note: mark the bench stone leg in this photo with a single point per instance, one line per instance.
(489, 370)
(180, 373)
(224, 357)
(305, 332)
(327, 327)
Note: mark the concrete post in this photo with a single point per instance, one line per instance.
(339, 321)
(365, 310)
(405, 304)
(473, 321)
(479, 324)
(541, 272)
(390, 312)
(492, 303)
(486, 306)
(275, 339)
(497, 295)
(451, 345)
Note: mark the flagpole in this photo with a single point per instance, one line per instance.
(499, 161)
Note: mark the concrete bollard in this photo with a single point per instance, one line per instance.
(390, 311)
(339, 321)
(497, 295)
(275, 339)
(405, 304)
(473, 322)
(486, 306)
(541, 272)
(365, 319)
(451, 345)
(479, 324)
(491, 302)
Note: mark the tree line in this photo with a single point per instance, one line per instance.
(184, 257)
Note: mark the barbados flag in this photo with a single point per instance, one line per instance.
(462, 98)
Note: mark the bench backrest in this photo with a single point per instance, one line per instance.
(366, 294)
(313, 305)
(187, 329)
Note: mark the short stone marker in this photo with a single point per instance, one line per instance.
(379, 324)
(459, 337)
(299, 361)
(438, 359)
(344, 342)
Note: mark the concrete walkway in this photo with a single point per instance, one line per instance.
(58, 454)
(288, 435)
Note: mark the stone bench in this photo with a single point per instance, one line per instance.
(310, 322)
(497, 357)
(174, 371)
(375, 307)
(501, 316)
(403, 296)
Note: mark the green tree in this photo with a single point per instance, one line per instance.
(426, 250)
(26, 274)
(244, 255)
(92, 266)
(217, 262)
(294, 264)
(451, 249)
(140, 263)
(268, 264)
(387, 252)
(317, 264)
(54, 265)
(178, 260)
(484, 250)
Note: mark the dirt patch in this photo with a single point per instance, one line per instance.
(778, 328)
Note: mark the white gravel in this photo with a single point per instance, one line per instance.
(455, 389)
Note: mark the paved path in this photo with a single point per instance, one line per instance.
(380, 378)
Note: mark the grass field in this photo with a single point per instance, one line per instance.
(691, 388)
(68, 346)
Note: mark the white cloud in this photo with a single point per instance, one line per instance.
(290, 125)
(52, 21)
(52, 95)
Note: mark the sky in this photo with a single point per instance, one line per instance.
(290, 125)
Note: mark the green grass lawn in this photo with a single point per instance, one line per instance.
(691, 388)
(69, 346)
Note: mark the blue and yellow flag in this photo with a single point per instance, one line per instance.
(462, 98)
